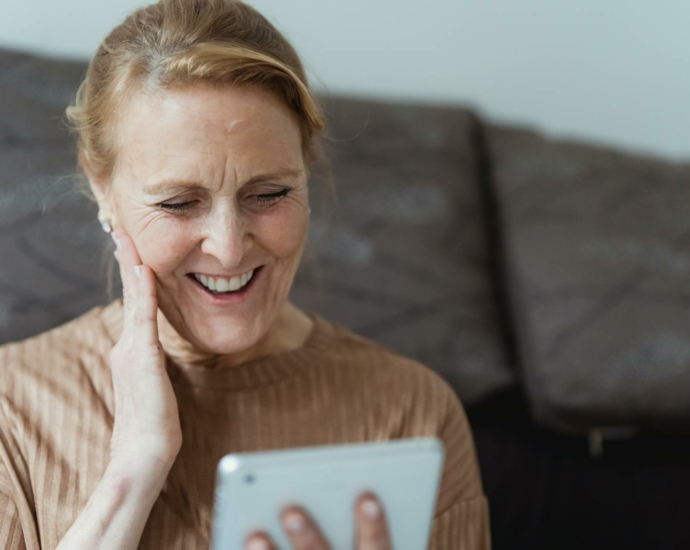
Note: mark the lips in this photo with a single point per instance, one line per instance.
(226, 296)
(225, 284)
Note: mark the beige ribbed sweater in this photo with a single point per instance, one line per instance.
(56, 419)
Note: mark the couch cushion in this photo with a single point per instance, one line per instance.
(596, 255)
(50, 244)
(403, 258)
(35, 92)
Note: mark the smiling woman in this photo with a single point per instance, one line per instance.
(210, 180)
(197, 134)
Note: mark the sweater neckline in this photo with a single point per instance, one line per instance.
(259, 372)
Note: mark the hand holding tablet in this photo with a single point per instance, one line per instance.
(379, 495)
(303, 532)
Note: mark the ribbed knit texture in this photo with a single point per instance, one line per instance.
(56, 419)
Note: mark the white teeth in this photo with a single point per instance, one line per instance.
(235, 283)
(224, 285)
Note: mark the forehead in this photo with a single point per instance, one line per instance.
(202, 124)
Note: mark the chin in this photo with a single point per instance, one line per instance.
(216, 339)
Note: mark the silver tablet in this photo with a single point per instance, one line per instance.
(253, 488)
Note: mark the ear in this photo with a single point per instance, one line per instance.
(99, 188)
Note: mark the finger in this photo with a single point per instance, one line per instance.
(126, 288)
(146, 308)
(126, 246)
(127, 256)
(139, 291)
(301, 530)
(372, 527)
(259, 541)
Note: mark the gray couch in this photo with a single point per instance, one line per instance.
(544, 280)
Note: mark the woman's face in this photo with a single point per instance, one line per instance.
(210, 183)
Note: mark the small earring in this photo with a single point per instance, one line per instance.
(105, 225)
(310, 211)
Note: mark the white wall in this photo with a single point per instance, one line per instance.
(612, 71)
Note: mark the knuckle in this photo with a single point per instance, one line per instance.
(128, 309)
(121, 352)
(151, 356)
(139, 316)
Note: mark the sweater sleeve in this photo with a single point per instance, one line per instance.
(17, 520)
(462, 514)
(11, 534)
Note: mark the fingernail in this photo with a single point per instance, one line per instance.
(116, 240)
(137, 271)
(257, 544)
(371, 509)
(294, 523)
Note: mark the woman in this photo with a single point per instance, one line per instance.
(196, 131)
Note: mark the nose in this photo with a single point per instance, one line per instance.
(226, 237)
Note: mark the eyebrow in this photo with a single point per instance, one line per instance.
(160, 187)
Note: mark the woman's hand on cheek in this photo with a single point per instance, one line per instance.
(304, 534)
(146, 432)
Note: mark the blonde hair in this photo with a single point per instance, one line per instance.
(176, 42)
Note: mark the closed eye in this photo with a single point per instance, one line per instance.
(177, 206)
(270, 198)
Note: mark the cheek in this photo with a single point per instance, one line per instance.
(283, 234)
(162, 243)
(163, 247)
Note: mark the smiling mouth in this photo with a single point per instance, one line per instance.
(220, 286)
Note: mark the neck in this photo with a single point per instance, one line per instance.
(289, 331)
